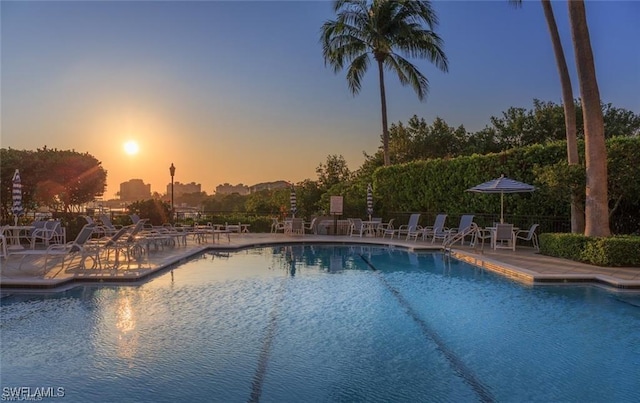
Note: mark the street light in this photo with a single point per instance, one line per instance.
(172, 171)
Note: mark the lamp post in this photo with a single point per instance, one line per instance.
(172, 171)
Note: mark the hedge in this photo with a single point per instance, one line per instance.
(615, 251)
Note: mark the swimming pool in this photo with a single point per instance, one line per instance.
(324, 323)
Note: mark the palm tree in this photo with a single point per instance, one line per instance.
(596, 206)
(379, 29)
(577, 209)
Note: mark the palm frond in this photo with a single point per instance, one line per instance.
(356, 71)
(408, 74)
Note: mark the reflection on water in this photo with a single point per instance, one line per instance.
(329, 323)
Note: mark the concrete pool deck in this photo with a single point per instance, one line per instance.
(523, 265)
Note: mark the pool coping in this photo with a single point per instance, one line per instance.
(466, 254)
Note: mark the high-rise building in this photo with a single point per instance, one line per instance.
(134, 189)
(181, 188)
(227, 189)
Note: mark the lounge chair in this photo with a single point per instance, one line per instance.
(463, 227)
(386, 228)
(434, 230)
(356, 227)
(3, 246)
(409, 228)
(46, 234)
(79, 247)
(529, 235)
(108, 226)
(126, 241)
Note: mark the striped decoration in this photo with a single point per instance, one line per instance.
(16, 207)
(369, 200)
(293, 200)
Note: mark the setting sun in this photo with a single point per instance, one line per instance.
(131, 147)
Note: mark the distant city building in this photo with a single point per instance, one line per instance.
(227, 189)
(269, 186)
(181, 188)
(134, 189)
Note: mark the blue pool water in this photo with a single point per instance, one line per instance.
(326, 324)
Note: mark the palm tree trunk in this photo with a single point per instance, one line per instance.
(596, 206)
(385, 128)
(577, 209)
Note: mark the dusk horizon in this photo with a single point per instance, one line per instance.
(238, 92)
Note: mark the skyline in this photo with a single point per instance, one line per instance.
(238, 92)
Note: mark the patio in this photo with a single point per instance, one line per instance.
(523, 265)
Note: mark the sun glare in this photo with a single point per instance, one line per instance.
(131, 147)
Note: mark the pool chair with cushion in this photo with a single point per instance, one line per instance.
(529, 235)
(78, 248)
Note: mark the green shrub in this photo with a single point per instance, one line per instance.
(612, 251)
(567, 246)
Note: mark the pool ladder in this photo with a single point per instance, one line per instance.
(458, 236)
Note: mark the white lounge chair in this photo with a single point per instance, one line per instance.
(46, 234)
(356, 227)
(464, 226)
(529, 235)
(386, 228)
(108, 226)
(409, 228)
(79, 247)
(435, 230)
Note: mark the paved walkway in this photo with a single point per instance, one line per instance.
(523, 265)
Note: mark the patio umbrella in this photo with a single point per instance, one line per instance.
(502, 185)
(293, 201)
(369, 201)
(16, 207)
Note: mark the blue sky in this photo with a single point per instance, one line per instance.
(237, 91)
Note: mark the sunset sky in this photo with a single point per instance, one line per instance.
(237, 91)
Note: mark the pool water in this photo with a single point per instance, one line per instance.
(330, 323)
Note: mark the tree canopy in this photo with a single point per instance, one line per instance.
(62, 180)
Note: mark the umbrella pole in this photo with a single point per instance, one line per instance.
(501, 207)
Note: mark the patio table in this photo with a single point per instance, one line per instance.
(13, 233)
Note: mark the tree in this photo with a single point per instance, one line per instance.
(577, 209)
(333, 172)
(157, 211)
(62, 180)
(379, 29)
(596, 202)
